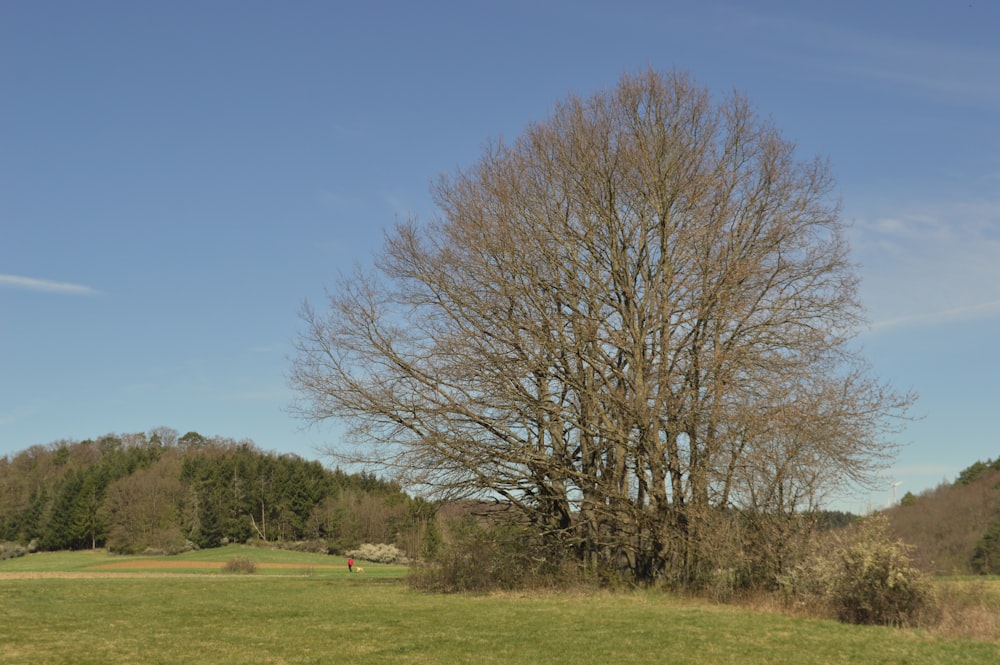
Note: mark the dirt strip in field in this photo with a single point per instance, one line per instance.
(148, 568)
(134, 564)
(83, 575)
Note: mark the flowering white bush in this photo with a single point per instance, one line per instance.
(866, 577)
(378, 553)
(11, 551)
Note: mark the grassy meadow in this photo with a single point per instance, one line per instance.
(89, 607)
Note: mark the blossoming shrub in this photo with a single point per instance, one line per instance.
(378, 553)
(11, 550)
(864, 576)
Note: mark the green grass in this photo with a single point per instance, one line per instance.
(332, 617)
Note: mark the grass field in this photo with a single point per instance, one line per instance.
(87, 607)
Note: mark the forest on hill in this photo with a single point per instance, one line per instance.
(162, 492)
(955, 527)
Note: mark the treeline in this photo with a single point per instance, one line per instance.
(955, 527)
(162, 492)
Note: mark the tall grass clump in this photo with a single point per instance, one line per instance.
(970, 609)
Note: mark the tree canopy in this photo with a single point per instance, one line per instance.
(629, 324)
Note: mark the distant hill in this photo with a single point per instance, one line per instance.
(955, 527)
(160, 492)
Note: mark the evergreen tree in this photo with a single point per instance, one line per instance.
(986, 556)
(60, 530)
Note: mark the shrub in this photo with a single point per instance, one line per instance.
(378, 553)
(865, 577)
(11, 551)
(341, 545)
(240, 564)
(168, 540)
(315, 546)
(500, 555)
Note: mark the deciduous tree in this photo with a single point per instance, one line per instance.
(625, 324)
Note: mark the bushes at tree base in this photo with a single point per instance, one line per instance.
(863, 576)
(858, 574)
(494, 555)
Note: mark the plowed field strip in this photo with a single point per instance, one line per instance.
(187, 565)
(148, 568)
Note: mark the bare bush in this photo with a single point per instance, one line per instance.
(240, 564)
(500, 555)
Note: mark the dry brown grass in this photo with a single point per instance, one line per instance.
(970, 609)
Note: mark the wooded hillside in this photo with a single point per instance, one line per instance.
(158, 491)
(955, 528)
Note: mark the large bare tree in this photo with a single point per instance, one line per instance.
(632, 321)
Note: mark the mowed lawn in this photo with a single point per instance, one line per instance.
(301, 608)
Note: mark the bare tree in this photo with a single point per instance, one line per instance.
(142, 508)
(632, 319)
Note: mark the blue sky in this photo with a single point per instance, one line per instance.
(177, 177)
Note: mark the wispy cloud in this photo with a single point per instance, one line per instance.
(947, 74)
(937, 470)
(941, 317)
(931, 267)
(45, 285)
(950, 73)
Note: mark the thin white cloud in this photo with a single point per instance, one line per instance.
(938, 470)
(942, 317)
(44, 285)
(935, 266)
(949, 73)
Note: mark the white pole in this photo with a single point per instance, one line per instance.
(894, 486)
